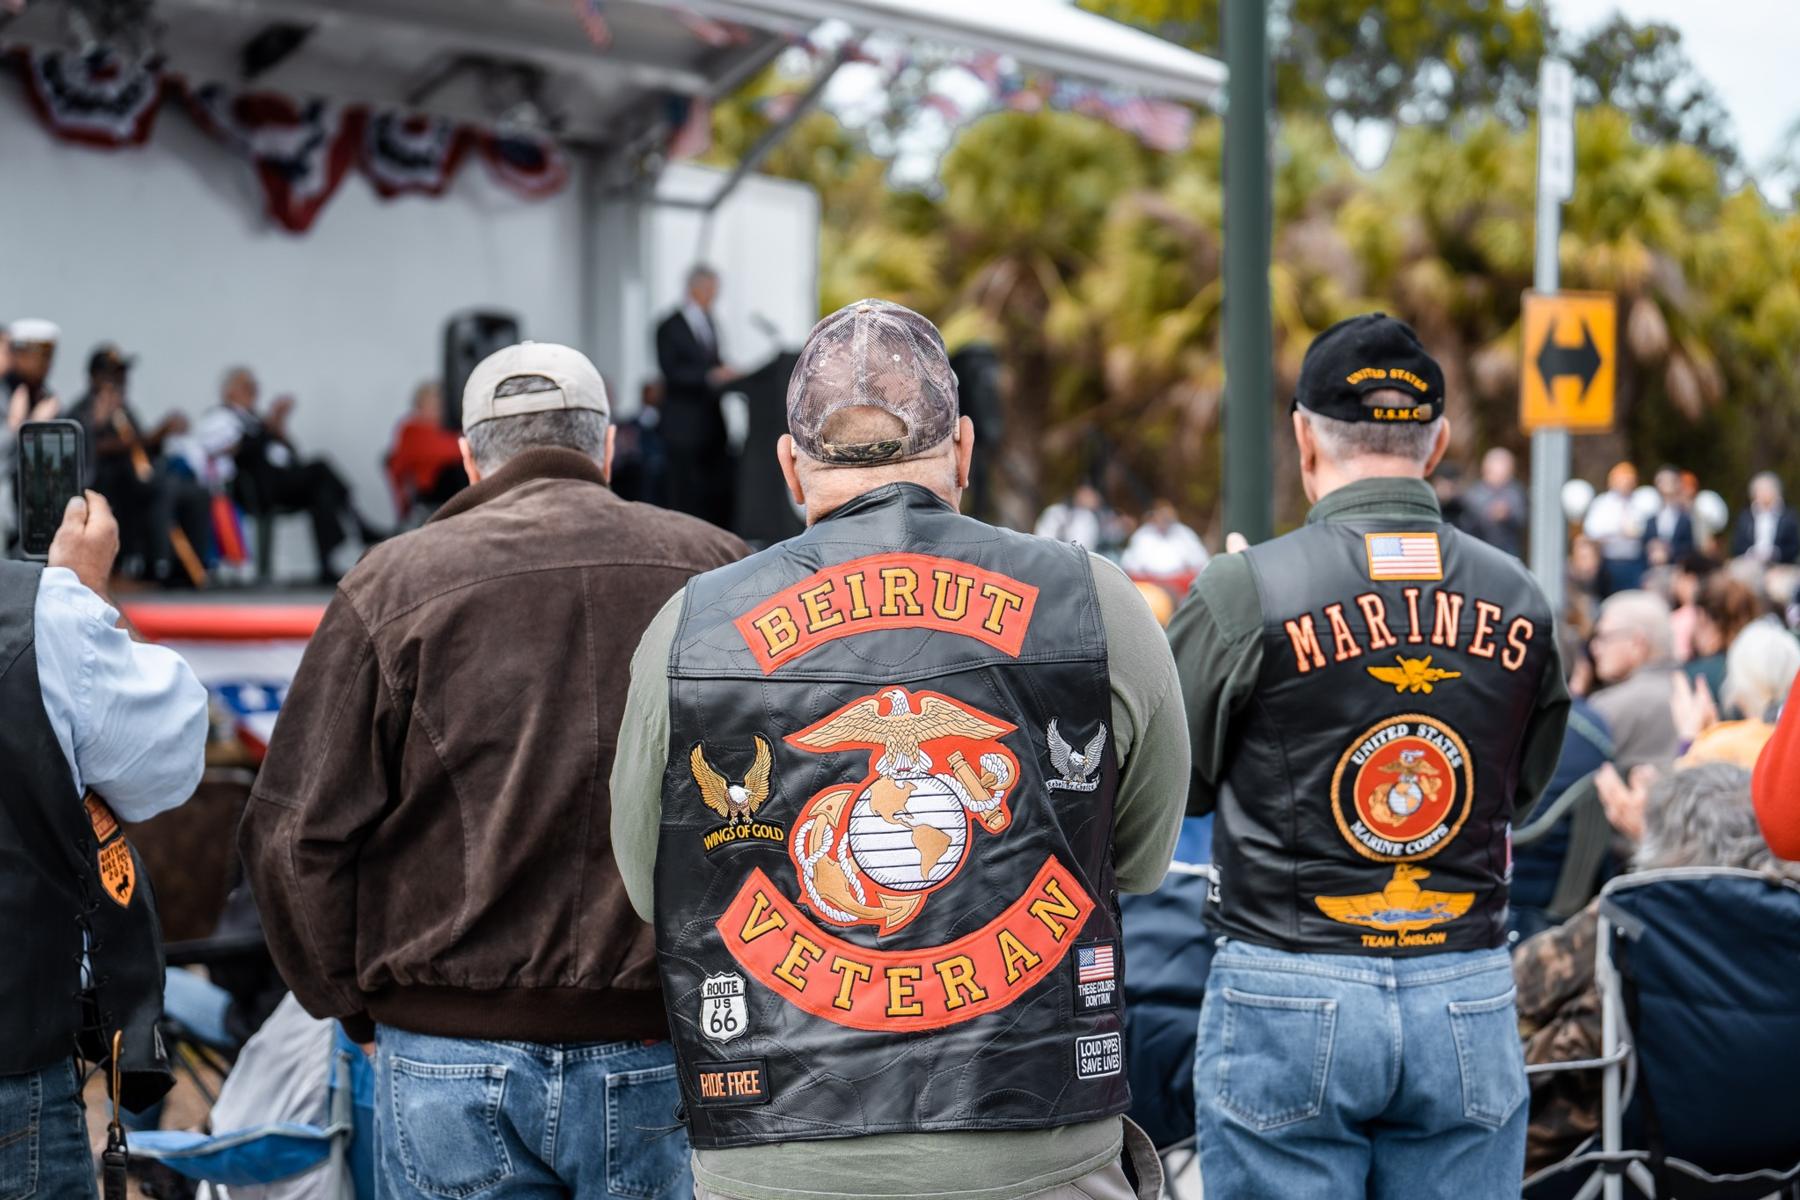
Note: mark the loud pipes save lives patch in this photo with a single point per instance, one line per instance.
(1096, 976)
(1098, 1056)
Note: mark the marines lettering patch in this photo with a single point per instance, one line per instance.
(1403, 789)
(1098, 1056)
(741, 1081)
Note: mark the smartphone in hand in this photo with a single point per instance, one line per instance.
(51, 467)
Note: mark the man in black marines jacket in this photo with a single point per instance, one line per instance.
(883, 785)
(1373, 700)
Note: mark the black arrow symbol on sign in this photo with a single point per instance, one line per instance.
(1582, 362)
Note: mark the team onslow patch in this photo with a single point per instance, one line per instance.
(1399, 911)
(1403, 788)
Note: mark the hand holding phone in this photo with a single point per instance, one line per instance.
(51, 470)
(87, 541)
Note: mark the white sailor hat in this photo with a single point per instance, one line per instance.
(33, 331)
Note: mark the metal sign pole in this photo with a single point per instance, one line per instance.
(1550, 447)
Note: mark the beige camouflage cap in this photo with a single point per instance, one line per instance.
(872, 354)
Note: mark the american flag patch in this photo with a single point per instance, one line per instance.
(1094, 964)
(1404, 556)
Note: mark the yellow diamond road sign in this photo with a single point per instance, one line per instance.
(1571, 360)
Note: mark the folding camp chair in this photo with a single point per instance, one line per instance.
(272, 1153)
(1698, 970)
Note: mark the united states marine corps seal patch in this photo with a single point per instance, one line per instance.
(1403, 788)
(870, 852)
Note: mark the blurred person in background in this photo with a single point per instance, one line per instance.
(1615, 523)
(99, 728)
(254, 449)
(1700, 816)
(1726, 607)
(1759, 669)
(1687, 581)
(424, 464)
(428, 838)
(1083, 518)
(1495, 505)
(1670, 536)
(1163, 547)
(1584, 584)
(126, 464)
(25, 384)
(701, 477)
(1633, 661)
(1767, 531)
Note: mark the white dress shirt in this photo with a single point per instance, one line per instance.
(700, 323)
(130, 717)
(1152, 551)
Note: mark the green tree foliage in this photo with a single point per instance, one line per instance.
(1093, 265)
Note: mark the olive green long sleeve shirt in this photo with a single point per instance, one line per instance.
(1150, 738)
(1217, 637)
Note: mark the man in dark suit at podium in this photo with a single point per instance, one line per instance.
(694, 377)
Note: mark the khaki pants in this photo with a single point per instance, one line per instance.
(1108, 1183)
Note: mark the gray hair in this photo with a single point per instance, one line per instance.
(1645, 614)
(1345, 441)
(1759, 668)
(493, 442)
(1701, 816)
(1768, 477)
(701, 271)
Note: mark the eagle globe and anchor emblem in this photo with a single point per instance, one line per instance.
(871, 852)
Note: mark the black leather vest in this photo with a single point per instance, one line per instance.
(884, 887)
(67, 877)
(1368, 800)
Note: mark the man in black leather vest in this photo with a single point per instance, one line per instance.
(883, 784)
(87, 710)
(1373, 699)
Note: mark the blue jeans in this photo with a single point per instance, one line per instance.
(458, 1119)
(1335, 1076)
(43, 1136)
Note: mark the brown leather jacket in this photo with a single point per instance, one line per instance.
(429, 838)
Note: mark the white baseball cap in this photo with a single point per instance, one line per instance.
(33, 331)
(549, 377)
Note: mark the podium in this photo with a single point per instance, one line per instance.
(765, 513)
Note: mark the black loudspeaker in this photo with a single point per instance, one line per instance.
(470, 337)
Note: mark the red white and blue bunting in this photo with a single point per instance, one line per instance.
(300, 150)
(97, 99)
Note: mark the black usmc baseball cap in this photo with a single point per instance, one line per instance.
(1366, 354)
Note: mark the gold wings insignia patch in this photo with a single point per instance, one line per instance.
(735, 802)
(1413, 674)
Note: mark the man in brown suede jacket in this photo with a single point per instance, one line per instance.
(429, 838)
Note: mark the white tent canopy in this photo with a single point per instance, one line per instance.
(1047, 34)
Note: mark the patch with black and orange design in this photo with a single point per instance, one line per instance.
(118, 870)
(1402, 789)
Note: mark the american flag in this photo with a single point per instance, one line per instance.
(593, 20)
(1404, 556)
(1093, 964)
